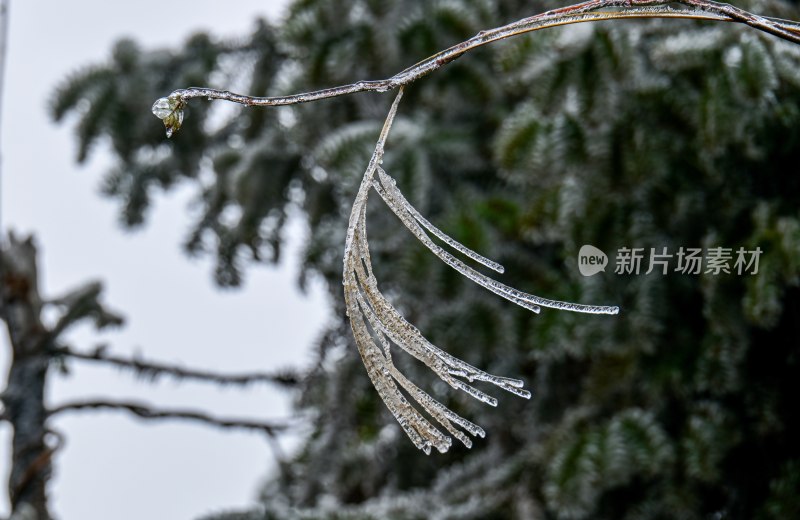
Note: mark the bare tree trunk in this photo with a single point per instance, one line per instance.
(23, 397)
(35, 346)
(31, 457)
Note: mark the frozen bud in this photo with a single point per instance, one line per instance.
(169, 110)
(162, 108)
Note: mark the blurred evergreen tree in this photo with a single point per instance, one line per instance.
(651, 134)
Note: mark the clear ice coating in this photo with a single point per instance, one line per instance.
(391, 185)
(162, 108)
(170, 110)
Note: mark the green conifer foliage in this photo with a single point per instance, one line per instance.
(650, 133)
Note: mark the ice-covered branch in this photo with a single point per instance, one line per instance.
(154, 369)
(170, 108)
(376, 324)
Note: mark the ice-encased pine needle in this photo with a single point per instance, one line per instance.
(377, 324)
(386, 180)
(388, 190)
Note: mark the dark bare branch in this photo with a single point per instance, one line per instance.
(145, 411)
(154, 369)
(80, 304)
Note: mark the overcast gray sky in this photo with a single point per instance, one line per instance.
(114, 466)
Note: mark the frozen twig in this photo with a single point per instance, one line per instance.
(170, 108)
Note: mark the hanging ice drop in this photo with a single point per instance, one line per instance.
(169, 110)
(162, 108)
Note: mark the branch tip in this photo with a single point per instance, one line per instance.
(170, 110)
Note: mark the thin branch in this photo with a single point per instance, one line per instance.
(145, 411)
(154, 369)
(170, 109)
